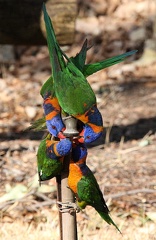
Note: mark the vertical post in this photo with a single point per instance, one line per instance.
(69, 224)
(59, 198)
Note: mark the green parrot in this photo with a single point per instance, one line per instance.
(84, 185)
(50, 156)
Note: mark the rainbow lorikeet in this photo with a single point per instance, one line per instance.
(50, 157)
(84, 185)
(73, 92)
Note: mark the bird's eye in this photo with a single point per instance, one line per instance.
(88, 137)
(53, 127)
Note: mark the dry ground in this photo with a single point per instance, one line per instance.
(123, 160)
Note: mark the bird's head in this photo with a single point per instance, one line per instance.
(64, 147)
(90, 133)
(55, 126)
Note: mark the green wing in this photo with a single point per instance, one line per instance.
(47, 167)
(89, 191)
(90, 194)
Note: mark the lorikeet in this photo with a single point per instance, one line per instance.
(83, 183)
(50, 157)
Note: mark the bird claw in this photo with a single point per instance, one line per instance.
(67, 207)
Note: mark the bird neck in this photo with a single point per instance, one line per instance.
(95, 128)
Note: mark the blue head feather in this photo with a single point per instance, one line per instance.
(55, 125)
(90, 135)
(64, 146)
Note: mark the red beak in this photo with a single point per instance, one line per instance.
(81, 139)
(60, 135)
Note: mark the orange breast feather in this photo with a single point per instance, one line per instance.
(74, 177)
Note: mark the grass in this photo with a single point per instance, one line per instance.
(90, 227)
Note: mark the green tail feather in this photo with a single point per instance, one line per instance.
(108, 219)
(95, 67)
(55, 52)
(80, 58)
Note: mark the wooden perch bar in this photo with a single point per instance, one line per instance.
(68, 219)
(69, 224)
(21, 22)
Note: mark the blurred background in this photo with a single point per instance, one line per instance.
(123, 159)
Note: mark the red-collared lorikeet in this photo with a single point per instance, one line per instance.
(84, 185)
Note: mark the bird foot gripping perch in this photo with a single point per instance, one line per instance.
(67, 207)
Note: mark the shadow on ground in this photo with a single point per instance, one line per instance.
(114, 134)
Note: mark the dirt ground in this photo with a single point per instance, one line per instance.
(123, 159)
